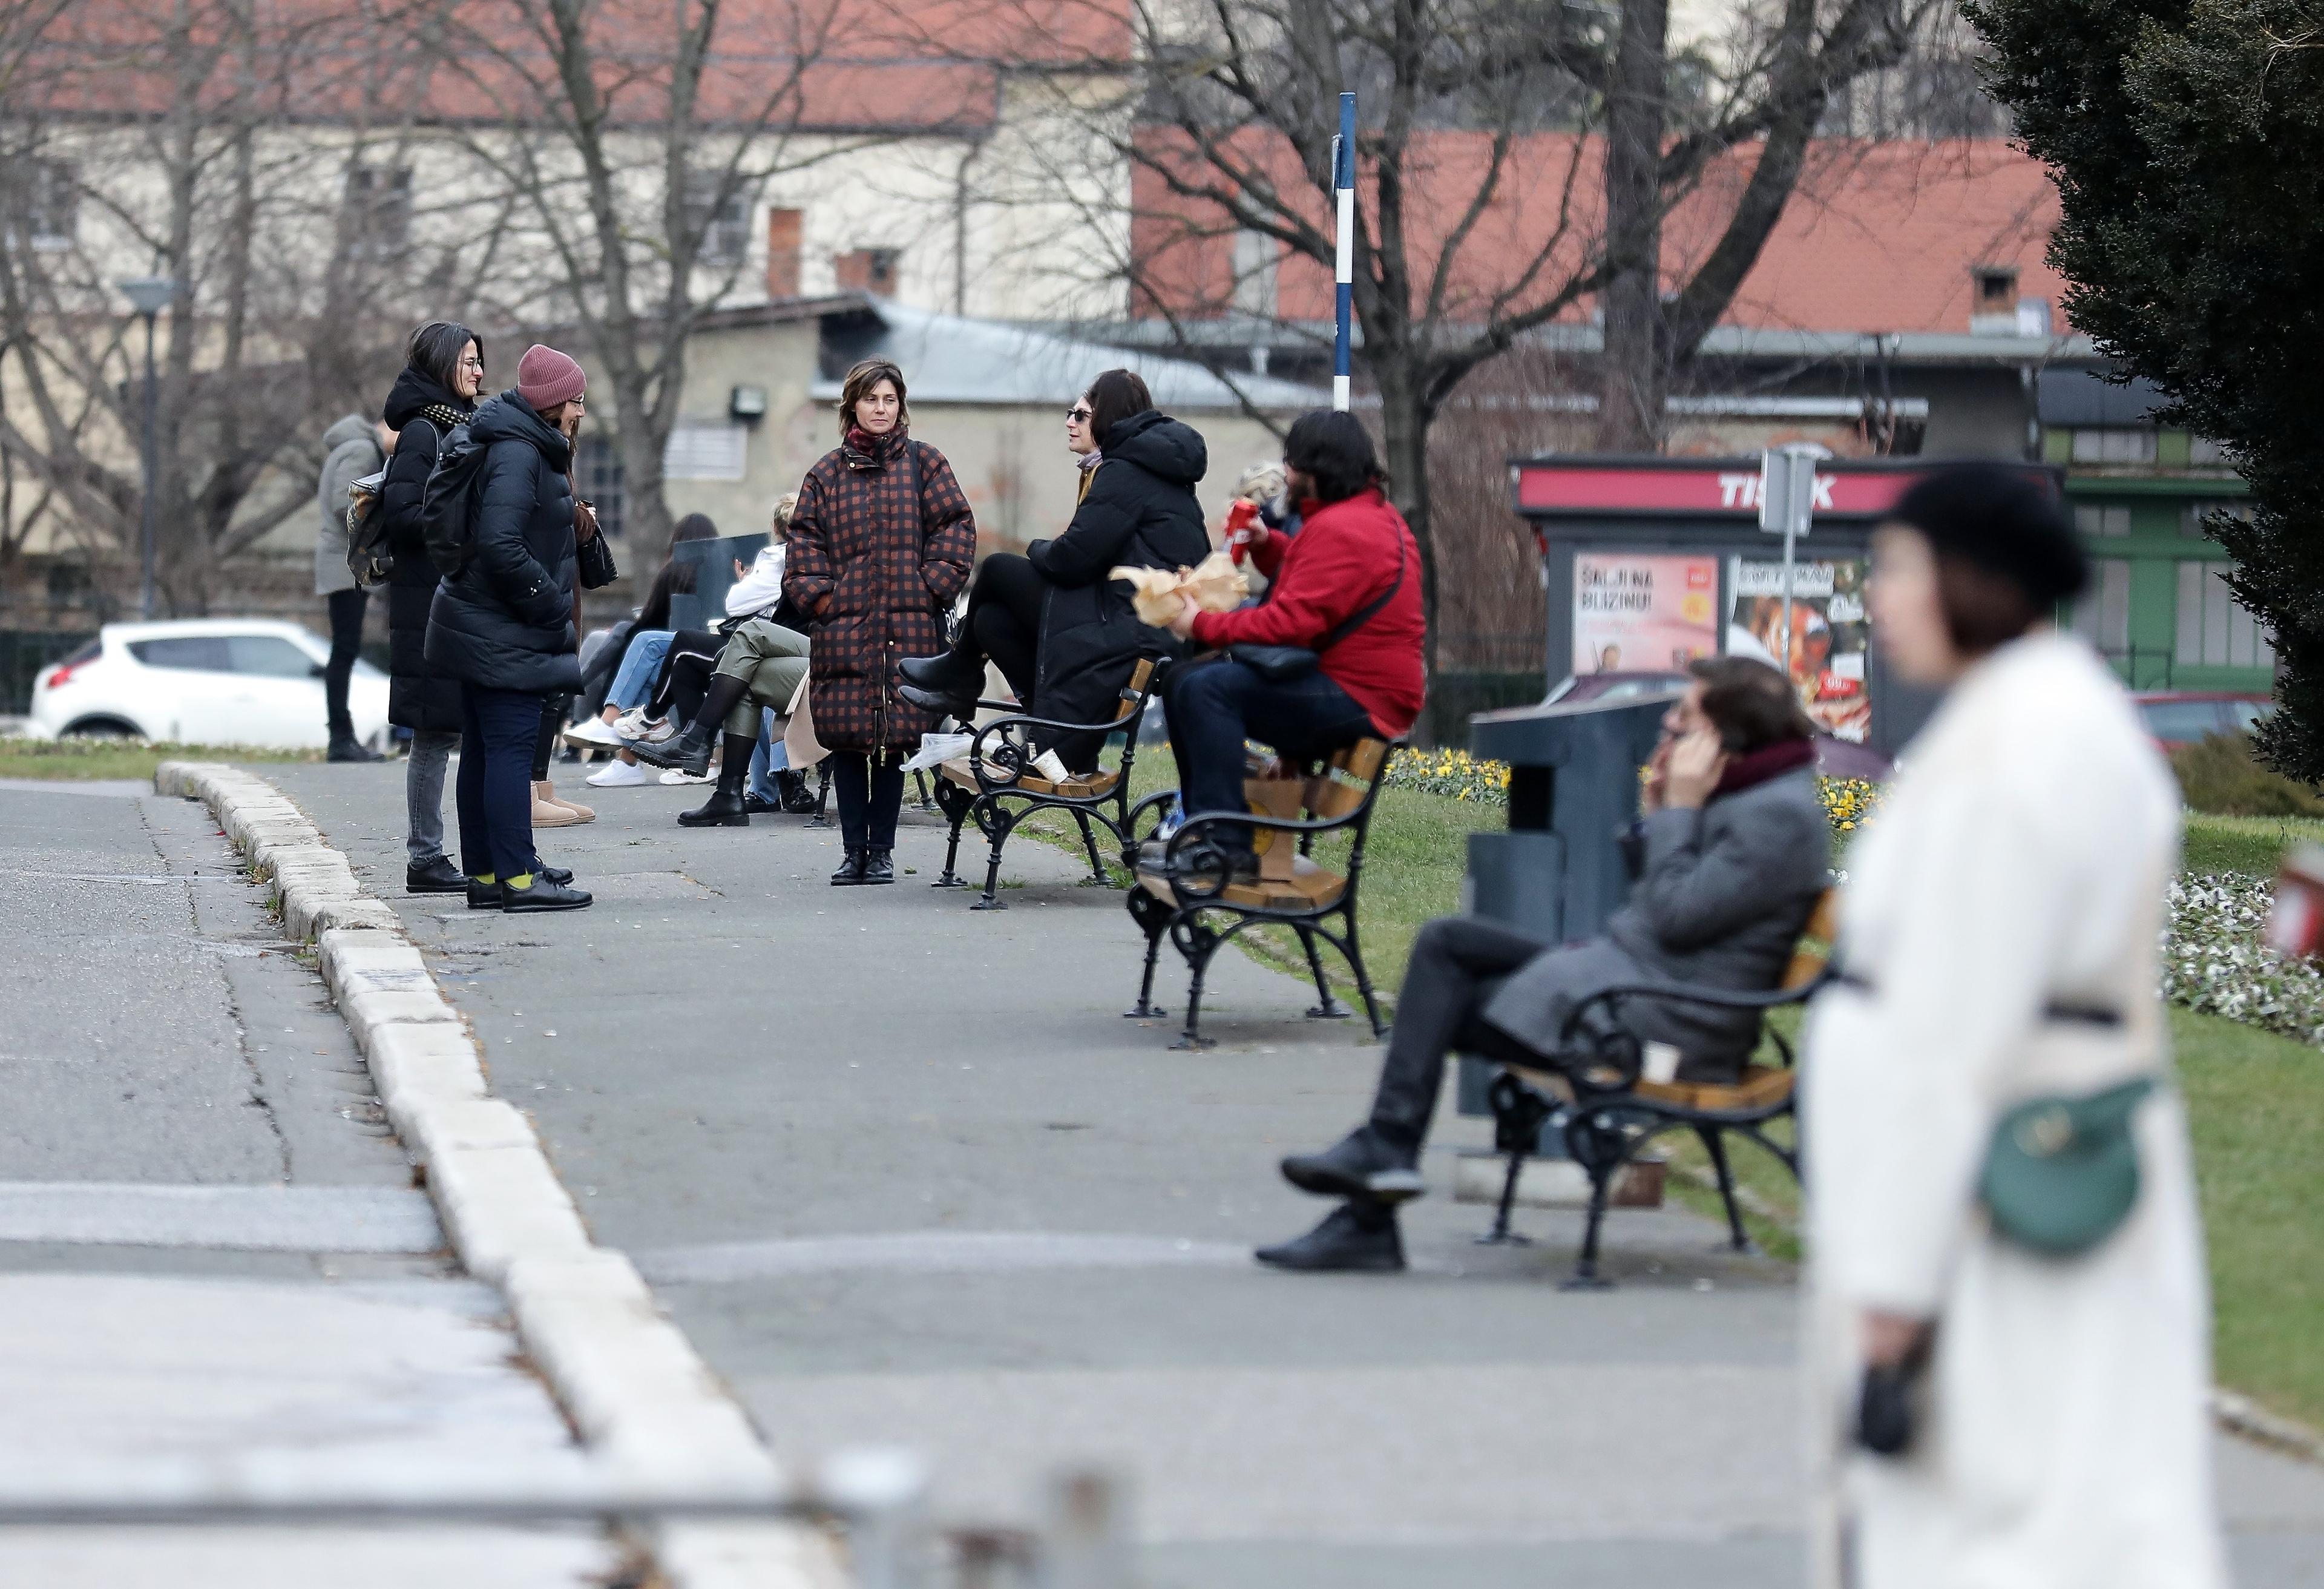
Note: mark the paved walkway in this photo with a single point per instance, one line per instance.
(209, 1244)
(902, 1171)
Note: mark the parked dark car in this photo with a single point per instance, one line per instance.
(2182, 718)
(1835, 757)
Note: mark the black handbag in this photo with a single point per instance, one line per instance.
(1288, 664)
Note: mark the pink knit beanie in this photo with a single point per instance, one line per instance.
(546, 378)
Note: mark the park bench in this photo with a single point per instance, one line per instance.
(996, 786)
(1612, 1109)
(1181, 881)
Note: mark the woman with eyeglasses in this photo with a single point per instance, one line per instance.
(1063, 633)
(443, 373)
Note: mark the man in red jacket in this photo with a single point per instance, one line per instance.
(1347, 587)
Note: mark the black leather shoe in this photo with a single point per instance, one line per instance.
(723, 808)
(945, 671)
(851, 871)
(1362, 1164)
(440, 876)
(688, 753)
(483, 896)
(958, 704)
(1354, 1237)
(798, 799)
(556, 874)
(542, 895)
(351, 750)
(878, 867)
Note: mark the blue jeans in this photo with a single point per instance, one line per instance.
(768, 759)
(633, 681)
(423, 794)
(496, 786)
(1214, 707)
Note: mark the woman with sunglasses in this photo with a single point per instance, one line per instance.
(1062, 633)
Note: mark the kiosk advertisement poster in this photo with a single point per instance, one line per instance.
(1634, 614)
(1829, 635)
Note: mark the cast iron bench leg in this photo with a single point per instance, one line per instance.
(1205, 946)
(951, 878)
(1089, 843)
(1714, 1143)
(1327, 1008)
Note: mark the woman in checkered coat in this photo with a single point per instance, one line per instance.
(881, 545)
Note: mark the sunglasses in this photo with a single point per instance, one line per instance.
(1079, 416)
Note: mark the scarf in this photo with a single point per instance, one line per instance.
(864, 449)
(1769, 761)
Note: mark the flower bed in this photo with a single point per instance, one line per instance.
(2216, 959)
(1459, 776)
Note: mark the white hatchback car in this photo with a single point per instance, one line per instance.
(251, 681)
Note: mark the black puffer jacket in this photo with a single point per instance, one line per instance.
(506, 623)
(1140, 512)
(420, 695)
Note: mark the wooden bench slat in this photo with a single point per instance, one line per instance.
(1762, 1087)
(961, 771)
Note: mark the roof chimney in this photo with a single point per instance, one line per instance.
(783, 252)
(1993, 300)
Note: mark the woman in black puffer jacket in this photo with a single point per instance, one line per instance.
(444, 370)
(1064, 634)
(504, 624)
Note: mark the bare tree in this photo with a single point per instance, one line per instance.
(152, 145)
(1517, 162)
(634, 139)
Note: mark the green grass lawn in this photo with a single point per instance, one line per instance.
(2250, 846)
(121, 757)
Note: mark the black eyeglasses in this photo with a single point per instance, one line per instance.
(1080, 416)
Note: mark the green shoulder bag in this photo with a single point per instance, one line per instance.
(2061, 1173)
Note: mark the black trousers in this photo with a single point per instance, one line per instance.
(1458, 964)
(869, 797)
(555, 711)
(1003, 621)
(686, 670)
(347, 610)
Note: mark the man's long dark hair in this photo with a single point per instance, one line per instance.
(434, 351)
(1332, 449)
(1750, 704)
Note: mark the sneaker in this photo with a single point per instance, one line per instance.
(634, 727)
(594, 730)
(1354, 1237)
(677, 776)
(618, 774)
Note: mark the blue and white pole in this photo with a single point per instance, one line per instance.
(1344, 182)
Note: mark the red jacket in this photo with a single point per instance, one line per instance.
(1343, 558)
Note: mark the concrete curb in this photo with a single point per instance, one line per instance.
(642, 1398)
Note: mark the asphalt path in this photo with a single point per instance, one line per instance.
(902, 1171)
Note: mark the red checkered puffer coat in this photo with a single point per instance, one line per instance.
(873, 571)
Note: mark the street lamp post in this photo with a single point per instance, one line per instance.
(149, 295)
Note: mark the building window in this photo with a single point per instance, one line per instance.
(2214, 630)
(2192, 516)
(718, 211)
(705, 449)
(379, 210)
(1256, 255)
(2095, 521)
(2114, 445)
(43, 203)
(2203, 453)
(2102, 617)
(597, 469)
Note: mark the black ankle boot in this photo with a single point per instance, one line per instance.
(947, 670)
(796, 797)
(851, 870)
(878, 867)
(725, 807)
(689, 753)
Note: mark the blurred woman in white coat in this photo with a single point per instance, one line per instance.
(2009, 1340)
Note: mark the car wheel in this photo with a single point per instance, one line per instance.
(101, 728)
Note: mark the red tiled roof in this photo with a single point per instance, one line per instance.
(1877, 237)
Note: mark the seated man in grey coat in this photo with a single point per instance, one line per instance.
(1727, 864)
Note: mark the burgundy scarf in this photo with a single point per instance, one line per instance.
(1769, 761)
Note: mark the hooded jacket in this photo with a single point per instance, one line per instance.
(350, 451)
(506, 621)
(420, 695)
(1140, 512)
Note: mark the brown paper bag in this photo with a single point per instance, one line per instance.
(798, 733)
(1214, 585)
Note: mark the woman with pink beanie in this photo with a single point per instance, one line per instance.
(503, 625)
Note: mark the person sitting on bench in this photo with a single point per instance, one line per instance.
(1728, 863)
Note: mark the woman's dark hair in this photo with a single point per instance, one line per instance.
(675, 578)
(859, 383)
(434, 351)
(2006, 556)
(1750, 704)
(1113, 397)
(1332, 449)
(694, 527)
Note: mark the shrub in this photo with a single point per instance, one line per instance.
(2220, 776)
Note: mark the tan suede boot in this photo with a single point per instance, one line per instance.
(549, 811)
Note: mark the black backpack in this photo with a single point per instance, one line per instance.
(369, 560)
(447, 506)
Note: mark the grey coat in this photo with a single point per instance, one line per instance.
(350, 451)
(1718, 898)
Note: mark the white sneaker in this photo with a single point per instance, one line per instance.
(679, 775)
(634, 727)
(618, 774)
(593, 731)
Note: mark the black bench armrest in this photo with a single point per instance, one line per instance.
(1688, 993)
